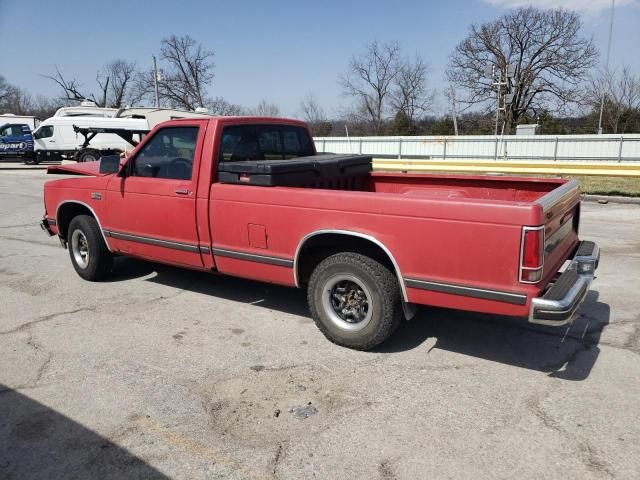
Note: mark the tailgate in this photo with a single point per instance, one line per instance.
(561, 213)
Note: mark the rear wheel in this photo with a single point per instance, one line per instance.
(354, 300)
(89, 254)
(88, 156)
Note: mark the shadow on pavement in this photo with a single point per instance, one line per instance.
(37, 442)
(567, 352)
(266, 295)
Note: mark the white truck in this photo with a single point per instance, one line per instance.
(86, 132)
(57, 139)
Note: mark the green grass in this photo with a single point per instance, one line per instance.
(623, 186)
(593, 184)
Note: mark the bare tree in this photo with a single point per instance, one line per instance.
(369, 81)
(621, 89)
(219, 106)
(187, 74)
(114, 85)
(312, 112)
(315, 116)
(410, 94)
(6, 89)
(43, 107)
(266, 109)
(70, 87)
(17, 101)
(551, 57)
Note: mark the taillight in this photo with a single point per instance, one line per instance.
(532, 254)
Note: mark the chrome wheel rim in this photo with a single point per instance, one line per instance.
(347, 302)
(80, 249)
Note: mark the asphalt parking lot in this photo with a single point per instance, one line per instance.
(165, 373)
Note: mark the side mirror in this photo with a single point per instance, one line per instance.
(110, 164)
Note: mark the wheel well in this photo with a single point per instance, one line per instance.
(319, 247)
(66, 213)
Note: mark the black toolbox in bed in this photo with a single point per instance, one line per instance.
(294, 172)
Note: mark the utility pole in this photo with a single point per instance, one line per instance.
(453, 110)
(155, 81)
(606, 66)
(503, 85)
(499, 84)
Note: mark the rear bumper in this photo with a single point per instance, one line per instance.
(559, 304)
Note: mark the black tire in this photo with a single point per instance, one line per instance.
(367, 277)
(88, 156)
(30, 160)
(98, 261)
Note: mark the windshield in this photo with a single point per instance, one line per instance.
(11, 131)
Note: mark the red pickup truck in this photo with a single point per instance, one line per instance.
(249, 197)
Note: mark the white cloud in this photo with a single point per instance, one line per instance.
(588, 7)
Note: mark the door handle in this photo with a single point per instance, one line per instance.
(182, 191)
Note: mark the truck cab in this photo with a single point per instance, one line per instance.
(16, 139)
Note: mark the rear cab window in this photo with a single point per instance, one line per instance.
(264, 142)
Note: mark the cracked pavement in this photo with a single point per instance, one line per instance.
(168, 373)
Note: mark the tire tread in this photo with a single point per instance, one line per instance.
(387, 286)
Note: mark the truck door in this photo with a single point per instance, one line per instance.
(151, 212)
(45, 137)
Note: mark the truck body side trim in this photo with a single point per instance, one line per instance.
(185, 247)
(252, 257)
(497, 295)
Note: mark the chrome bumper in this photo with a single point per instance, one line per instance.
(560, 302)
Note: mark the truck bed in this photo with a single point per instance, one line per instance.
(516, 189)
(353, 173)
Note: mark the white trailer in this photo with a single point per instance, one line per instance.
(10, 118)
(154, 116)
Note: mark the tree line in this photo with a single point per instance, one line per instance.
(539, 61)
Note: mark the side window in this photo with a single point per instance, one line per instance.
(45, 131)
(169, 154)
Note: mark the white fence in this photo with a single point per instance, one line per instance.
(600, 148)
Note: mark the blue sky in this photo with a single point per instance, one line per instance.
(276, 51)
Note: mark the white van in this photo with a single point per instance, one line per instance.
(55, 138)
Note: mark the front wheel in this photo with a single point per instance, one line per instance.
(354, 300)
(89, 254)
